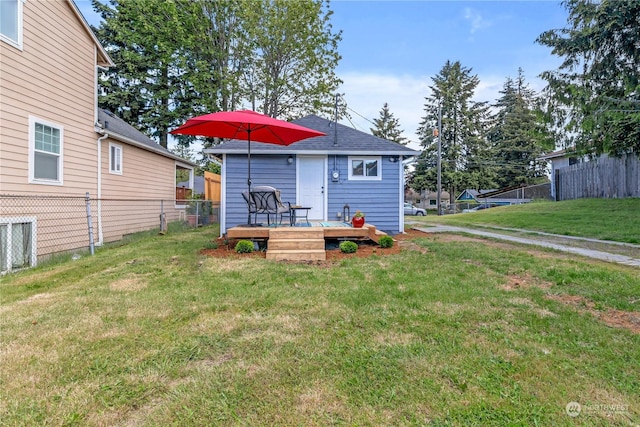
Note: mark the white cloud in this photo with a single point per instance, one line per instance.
(476, 20)
(365, 93)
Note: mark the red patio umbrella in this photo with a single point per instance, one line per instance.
(246, 125)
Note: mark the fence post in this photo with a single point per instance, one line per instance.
(89, 223)
(163, 219)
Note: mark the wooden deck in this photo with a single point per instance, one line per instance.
(302, 243)
(368, 231)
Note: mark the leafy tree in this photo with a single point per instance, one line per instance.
(183, 58)
(519, 135)
(464, 148)
(295, 56)
(388, 127)
(595, 93)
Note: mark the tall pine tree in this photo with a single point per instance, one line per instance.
(464, 147)
(519, 135)
(388, 127)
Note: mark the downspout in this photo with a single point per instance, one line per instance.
(99, 141)
(401, 193)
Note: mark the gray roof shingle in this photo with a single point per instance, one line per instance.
(122, 131)
(339, 139)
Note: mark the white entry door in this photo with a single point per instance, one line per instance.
(312, 184)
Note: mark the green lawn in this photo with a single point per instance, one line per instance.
(458, 333)
(607, 219)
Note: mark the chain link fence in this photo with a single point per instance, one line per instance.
(35, 227)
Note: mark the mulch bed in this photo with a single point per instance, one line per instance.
(226, 249)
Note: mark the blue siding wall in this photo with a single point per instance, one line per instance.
(270, 170)
(379, 200)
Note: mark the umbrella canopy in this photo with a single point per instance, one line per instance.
(246, 125)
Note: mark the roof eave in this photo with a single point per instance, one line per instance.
(146, 147)
(314, 152)
(103, 59)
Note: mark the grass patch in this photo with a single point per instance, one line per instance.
(153, 333)
(606, 219)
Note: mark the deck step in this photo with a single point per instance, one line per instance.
(296, 233)
(291, 244)
(297, 254)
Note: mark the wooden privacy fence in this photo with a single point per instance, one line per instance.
(606, 177)
(212, 186)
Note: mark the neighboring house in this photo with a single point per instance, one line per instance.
(470, 195)
(54, 142)
(560, 159)
(197, 189)
(345, 167)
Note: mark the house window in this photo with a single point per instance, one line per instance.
(365, 168)
(45, 156)
(11, 22)
(115, 159)
(17, 243)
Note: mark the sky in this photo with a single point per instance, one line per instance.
(391, 50)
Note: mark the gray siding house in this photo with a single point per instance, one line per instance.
(325, 173)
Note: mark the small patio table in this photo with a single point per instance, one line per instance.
(294, 214)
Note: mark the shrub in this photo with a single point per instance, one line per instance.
(244, 246)
(348, 247)
(211, 245)
(386, 242)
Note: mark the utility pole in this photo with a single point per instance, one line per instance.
(439, 184)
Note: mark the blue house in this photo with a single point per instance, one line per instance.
(325, 173)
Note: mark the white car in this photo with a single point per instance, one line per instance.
(409, 209)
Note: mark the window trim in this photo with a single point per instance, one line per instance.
(118, 148)
(9, 221)
(32, 150)
(16, 43)
(352, 177)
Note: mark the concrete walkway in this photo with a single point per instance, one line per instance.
(590, 253)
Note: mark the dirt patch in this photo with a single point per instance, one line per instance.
(226, 249)
(615, 318)
(525, 282)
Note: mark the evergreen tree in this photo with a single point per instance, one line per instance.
(518, 135)
(145, 88)
(465, 152)
(595, 93)
(388, 127)
(178, 59)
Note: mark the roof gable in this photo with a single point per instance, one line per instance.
(339, 139)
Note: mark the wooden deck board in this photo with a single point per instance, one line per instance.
(366, 232)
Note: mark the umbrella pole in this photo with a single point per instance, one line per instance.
(249, 174)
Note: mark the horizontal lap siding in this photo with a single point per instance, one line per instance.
(52, 78)
(265, 170)
(131, 201)
(379, 200)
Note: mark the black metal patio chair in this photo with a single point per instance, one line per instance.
(267, 201)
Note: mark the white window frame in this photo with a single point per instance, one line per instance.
(364, 159)
(32, 152)
(117, 148)
(191, 174)
(16, 43)
(20, 220)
